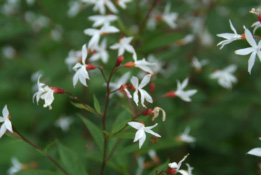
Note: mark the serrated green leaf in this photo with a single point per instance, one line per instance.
(95, 132)
(96, 104)
(86, 107)
(70, 161)
(38, 172)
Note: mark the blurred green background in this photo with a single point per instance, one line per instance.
(226, 123)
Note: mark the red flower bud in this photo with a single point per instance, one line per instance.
(120, 59)
(57, 90)
(170, 94)
(259, 17)
(171, 171)
(131, 87)
(90, 67)
(129, 64)
(152, 87)
(148, 112)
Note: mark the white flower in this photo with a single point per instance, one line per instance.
(9, 52)
(254, 50)
(168, 17)
(140, 134)
(184, 95)
(96, 34)
(177, 166)
(143, 65)
(99, 5)
(256, 25)
(185, 137)
(7, 125)
(198, 64)
(100, 52)
(225, 77)
(143, 94)
(255, 151)
(102, 20)
(64, 123)
(16, 166)
(44, 92)
(189, 169)
(81, 72)
(124, 45)
(229, 37)
(122, 3)
(118, 83)
(73, 58)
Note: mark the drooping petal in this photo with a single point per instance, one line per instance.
(249, 38)
(142, 140)
(251, 61)
(146, 96)
(2, 130)
(136, 125)
(8, 125)
(183, 172)
(139, 134)
(135, 82)
(136, 97)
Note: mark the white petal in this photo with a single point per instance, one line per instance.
(250, 38)
(136, 125)
(84, 53)
(142, 140)
(2, 130)
(5, 112)
(8, 125)
(232, 27)
(184, 83)
(136, 97)
(145, 81)
(255, 152)
(251, 61)
(139, 134)
(245, 51)
(183, 172)
(135, 82)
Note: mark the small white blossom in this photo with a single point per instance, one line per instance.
(185, 137)
(102, 20)
(44, 92)
(16, 167)
(124, 45)
(254, 50)
(143, 65)
(81, 72)
(169, 17)
(122, 3)
(118, 83)
(64, 123)
(5, 119)
(229, 37)
(184, 95)
(73, 58)
(100, 5)
(255, 151)
(198, 64)
(96, 34)
(256, 25)
(143, 94)
(177, 166)
(100, 52)
(141, 133)
(225, 77)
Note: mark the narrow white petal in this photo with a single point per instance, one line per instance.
(8, 125)
(145, 81)
(136, 125)
(255, 152)
(251, 61)
(84, 53)
(232, 27)
(5, 112)
(136, 97)
(139, 134)
(249, 38)
(135, 81)
(245, 51)
(142, 140)
(2, 130)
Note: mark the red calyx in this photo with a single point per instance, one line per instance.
(171, 171)
(243, 36)
(259, 17)
(148, 112)
(57, 90)
(123, 87)
(131, 87)
(170, 94)
(152, 87)
(120, 59)
(90, 67)
(9, 117)
(129, 64)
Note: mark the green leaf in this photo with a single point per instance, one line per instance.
(70, 161)
(95, 132)
(96, 104)
(160, 168)
(86, 107)
(38, 172)
(48, 146)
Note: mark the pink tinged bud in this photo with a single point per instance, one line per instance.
(90, 67)
(152, 87)
(170, 94)
(148, 112)
(132, 87)
(171, 171)
(129, 64)
(57, 90)
(120, 59)
(259, 17)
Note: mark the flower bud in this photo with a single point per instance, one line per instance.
(171, 171)
(170, 94)
(259, 17)
(129, 64)
(243, 36)
(90, 67)
(57, 90)
(120, 59)
(152, 87)
(131, 87)
(148, 112)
